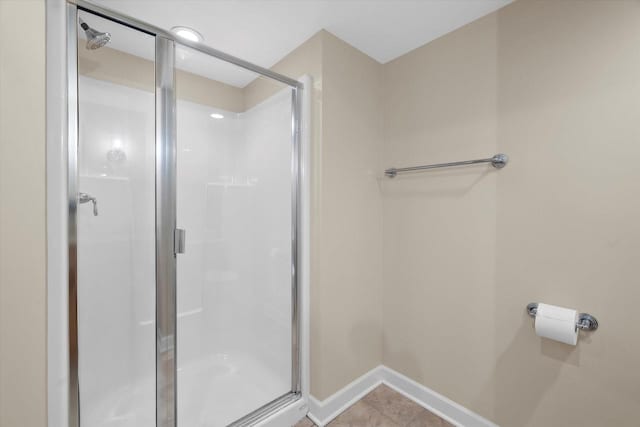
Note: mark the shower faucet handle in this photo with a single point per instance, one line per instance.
(86, 198)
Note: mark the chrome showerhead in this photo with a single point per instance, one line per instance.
(95, 39)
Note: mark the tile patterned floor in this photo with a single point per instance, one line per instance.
(384, 407)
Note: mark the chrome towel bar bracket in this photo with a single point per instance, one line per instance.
(586, 322)
(498, 161)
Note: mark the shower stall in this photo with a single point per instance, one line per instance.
(184, 197)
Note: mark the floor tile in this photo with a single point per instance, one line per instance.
(428, 419)
(305, 422)
(384, 407)
(393, 405)
(362, 415)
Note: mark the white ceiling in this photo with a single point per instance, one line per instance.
(264, 31)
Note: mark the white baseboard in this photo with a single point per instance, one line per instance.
(433, 401)
(323, 412)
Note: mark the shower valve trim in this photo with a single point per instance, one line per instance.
(86, 198)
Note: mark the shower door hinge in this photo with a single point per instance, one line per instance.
(178, 241)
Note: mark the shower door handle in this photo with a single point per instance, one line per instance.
(179, 240)
(86, 198)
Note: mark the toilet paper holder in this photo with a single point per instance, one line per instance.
(586, 322)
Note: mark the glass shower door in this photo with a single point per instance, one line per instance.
(116, 227)
(170, 138)
(234, 279)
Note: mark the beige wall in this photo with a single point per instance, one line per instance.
(440, 227)
(305, 59)
(553, 84)
(347, 275)
(129, 70)
(22, 214)
(346, 218)
(568, 209)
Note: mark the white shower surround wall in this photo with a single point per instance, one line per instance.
(233, 287)
(116, 256)
(234, 279)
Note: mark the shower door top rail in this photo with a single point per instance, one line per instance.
(157, 31)
(498, 161)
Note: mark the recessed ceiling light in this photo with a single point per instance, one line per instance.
(187, 34)
(216, 116)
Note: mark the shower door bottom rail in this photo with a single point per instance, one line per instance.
(271, 407)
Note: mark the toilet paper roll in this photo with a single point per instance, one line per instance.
(557, 323)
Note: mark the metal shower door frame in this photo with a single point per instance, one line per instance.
(166, 262)
(166, 143)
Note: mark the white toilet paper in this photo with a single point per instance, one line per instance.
(557, 323)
